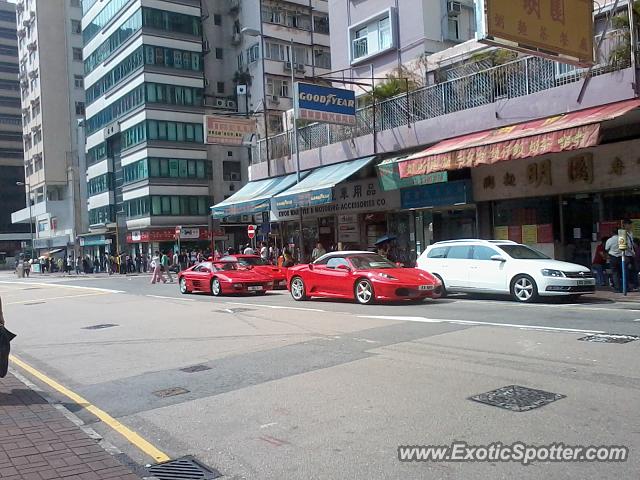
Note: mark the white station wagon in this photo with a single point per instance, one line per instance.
(502, 266)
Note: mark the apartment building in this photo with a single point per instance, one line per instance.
(50, 53)
(12, 195)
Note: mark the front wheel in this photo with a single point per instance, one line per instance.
(364, 292)
(298, 289)
(183, 286)
(216, 288)
(524, 289)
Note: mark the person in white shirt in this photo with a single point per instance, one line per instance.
(248, 250)
(264, 252)
(615, 255)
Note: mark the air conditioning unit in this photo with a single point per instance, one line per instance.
(234, 176)
(454, 9)
(220, 103)
(231, 104)
(26, 23)
(287, 66)
(32, 46)
(274, 99)
(22, 32)
(300, 67)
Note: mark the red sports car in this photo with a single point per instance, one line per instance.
(365, 276)
(220, 278)
(256, 263)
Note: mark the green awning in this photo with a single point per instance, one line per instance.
(254, 197)
(389, 176)
(317, 187)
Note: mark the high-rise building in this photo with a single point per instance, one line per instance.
(50, 53)
(11, 156)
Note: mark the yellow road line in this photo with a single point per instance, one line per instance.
(107, 419)
(20, 302)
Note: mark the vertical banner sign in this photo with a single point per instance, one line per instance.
(224, 130)
(558, 29)
(318, 103)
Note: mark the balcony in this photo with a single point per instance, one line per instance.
(522, 77)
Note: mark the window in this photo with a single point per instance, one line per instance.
(217, 19)
(77, 54)
(100, 184)
(481, 252)
(126, 30)
(278, 87)
(335, 262)
(219, 53)
(171, 21)
(253, 53)
(321, 24)
(438, 252)
(79, 108)
(454, 29)
(231, 171)
(322, 58)
(220, 87)
(459, 252)
(373, 36)
(78, 81)
(76, 27)
(102, 215)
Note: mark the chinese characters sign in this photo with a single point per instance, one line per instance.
(543, 27)
(318, 103)
(221, 130)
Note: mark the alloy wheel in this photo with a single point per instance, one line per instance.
(364, 292)
(524, 289)
(216, 289)
(183, 286)
(297, 289)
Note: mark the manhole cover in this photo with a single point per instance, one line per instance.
(517, 398)
(100, 326)
(171, 392)
(185, 468)
(195, 368)
(609, 338)
(234, 310)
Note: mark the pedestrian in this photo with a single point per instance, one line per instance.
(165, 264)
(629, 255)
(248, 250)
(318, 252)
(264, 252)
(69, 265)
(157, 269)
(78, 263)
(612, 246)
(599, 262)
(60, 265)
(175, 262)
(27, 267)
(288, 259)
(5, 346)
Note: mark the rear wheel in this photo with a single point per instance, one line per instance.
(298, 289)
(216, 288)
(524, 289)
(183, 286)
(364, 292)
(443, 290)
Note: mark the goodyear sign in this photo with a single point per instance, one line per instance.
(318, 103)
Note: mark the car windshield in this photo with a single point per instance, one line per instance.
(370, 262)
(252, 261)
(226, 266)
(522, 252)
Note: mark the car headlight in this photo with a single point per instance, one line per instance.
(547, 272)
(387, 276)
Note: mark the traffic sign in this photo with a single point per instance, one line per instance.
(251, 231)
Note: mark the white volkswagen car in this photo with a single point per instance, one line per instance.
(502, 266)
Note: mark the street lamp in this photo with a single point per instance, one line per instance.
(23, 184)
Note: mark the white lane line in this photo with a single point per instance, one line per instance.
(267, 425)
(570, 306)
(171, 298)
(491, 324)
(38, 300)
(59, 285)
(277, 307)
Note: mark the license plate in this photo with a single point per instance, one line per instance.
(586, 282)
(254, 289)
(425, 287)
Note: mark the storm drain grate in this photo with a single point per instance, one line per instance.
(170, 392)
(517, 398)
(100, 326)
(195, 368)
(609, 338)
(185, 468)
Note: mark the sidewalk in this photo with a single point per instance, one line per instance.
(608, 294)
(37, 442)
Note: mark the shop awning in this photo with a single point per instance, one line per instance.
(317, 187)
(571, 131)
(254, 197)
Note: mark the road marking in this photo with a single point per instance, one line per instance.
(573, 306)
(107, 419)
(267, 425)
(59, 285)
(43, 300)
(171, 298)
(277, 307)
(491, 324)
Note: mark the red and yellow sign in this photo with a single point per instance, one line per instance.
(222, 130)
(547, 27)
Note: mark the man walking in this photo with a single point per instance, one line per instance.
(166, 264)
(156, 267)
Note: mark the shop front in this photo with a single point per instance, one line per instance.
(146, 242)
(562, 203)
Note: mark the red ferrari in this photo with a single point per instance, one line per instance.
(218, 278)
(256, 263)
(363, 276)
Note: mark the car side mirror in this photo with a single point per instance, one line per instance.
(498, 258)
(344, 267)
(311, 266)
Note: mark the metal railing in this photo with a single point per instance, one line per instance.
(523, 76)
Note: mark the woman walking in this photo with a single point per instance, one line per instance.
(156, 268)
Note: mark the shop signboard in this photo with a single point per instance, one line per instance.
(167, 235)
(319, 103)
(437, 195)
(557, 29)
(225, 130)
(349, 198)
(93, 241)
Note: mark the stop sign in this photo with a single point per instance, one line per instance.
(251, 231)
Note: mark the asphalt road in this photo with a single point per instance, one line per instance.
(326, 390)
